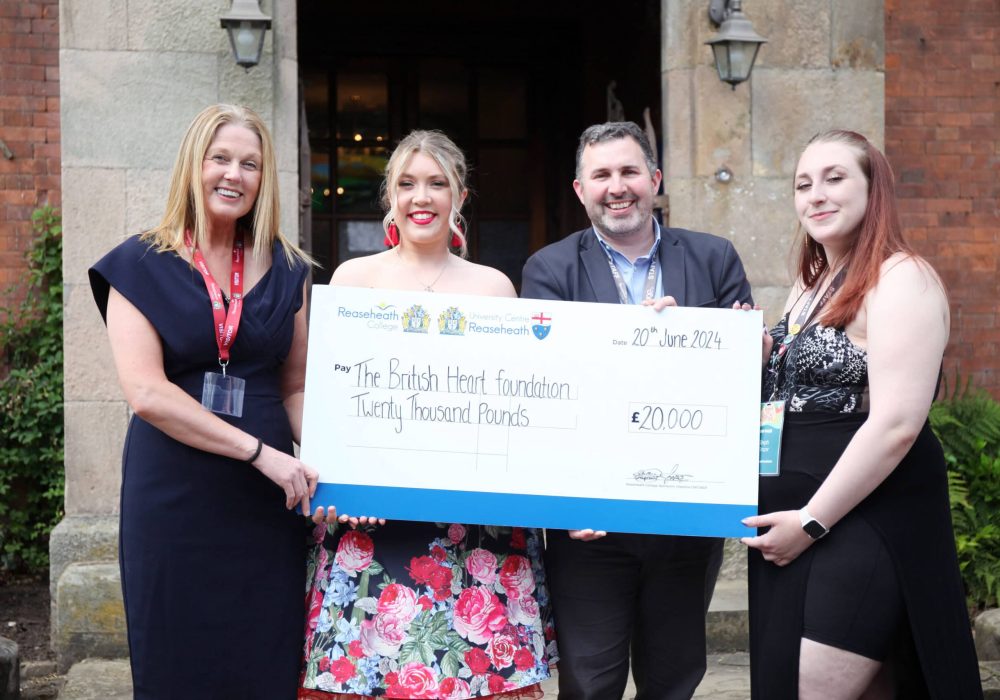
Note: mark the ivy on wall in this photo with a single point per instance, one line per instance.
(31, 405)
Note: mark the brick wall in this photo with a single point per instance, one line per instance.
(942, 132)
(29, 126)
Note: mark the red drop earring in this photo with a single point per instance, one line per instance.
(392, 235)
(456, 240)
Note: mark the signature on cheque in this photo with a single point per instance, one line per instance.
(658, 476)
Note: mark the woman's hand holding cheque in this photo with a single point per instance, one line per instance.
(330, 517)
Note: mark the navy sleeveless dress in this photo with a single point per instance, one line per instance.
(213, 565)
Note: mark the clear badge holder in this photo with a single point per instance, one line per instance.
(222, 393)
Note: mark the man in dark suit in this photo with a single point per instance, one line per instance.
(614, 591)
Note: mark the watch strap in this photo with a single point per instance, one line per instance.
(812, 527)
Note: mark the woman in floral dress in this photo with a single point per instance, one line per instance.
(425, 610)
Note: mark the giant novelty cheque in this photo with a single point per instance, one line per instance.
(452, 408)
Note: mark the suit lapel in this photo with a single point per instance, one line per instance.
(595, 262)
(672, 256)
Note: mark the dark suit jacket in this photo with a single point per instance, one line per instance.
(698, 269)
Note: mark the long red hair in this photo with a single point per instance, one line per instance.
(879, 234)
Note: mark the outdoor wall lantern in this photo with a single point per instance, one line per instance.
(246, 26)
(736, 45)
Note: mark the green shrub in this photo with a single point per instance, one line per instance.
(31, 405)
(968, 425)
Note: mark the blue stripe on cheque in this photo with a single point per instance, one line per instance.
(698, 519)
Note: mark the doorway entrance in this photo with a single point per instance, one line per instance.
(512, 86)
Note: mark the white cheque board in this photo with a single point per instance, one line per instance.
(450, 408)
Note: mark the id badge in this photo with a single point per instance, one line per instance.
(772, 422)
(223, 393)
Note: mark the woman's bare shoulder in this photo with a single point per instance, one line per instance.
(908, 280)
(359, 272)
(910, 271)
(485, 280)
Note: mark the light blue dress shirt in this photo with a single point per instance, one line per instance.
(634, 273)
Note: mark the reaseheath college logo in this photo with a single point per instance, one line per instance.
(416, 320)
(381, 316)
(542, 328)
(451, 322)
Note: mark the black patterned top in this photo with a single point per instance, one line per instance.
(823, 372)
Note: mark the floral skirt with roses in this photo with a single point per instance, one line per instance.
(424, 610)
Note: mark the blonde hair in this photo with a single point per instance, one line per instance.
(185, 209)
(451, 161)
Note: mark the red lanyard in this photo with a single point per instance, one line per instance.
(226, 323)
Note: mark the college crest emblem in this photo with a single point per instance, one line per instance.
(542, 328)
(451, 322)
(416, 320)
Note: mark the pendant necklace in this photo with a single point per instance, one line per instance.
(427, 287)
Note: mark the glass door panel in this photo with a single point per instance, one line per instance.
(360, 238)
(503, 182)
(316, 94)
(320, 194)
(362, 106)
(502, 105)
(359, 176)
(504, 245)
(444, 98)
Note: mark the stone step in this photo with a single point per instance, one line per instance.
(98, 679)
(40, 680)
(31, 670)
(727, 627)
(987, 632)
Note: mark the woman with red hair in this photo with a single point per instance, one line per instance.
(855, 589)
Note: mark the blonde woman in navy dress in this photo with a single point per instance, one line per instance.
(209, 303)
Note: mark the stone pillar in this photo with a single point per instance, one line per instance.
(823, 67)
(133, 75)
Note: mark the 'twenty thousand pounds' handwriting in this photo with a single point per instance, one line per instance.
(396, 375)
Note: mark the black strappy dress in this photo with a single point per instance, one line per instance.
(903, 530)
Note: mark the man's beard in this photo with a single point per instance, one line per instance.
(613, 228)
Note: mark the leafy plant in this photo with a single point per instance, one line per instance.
(31, 404)
(967, 422)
